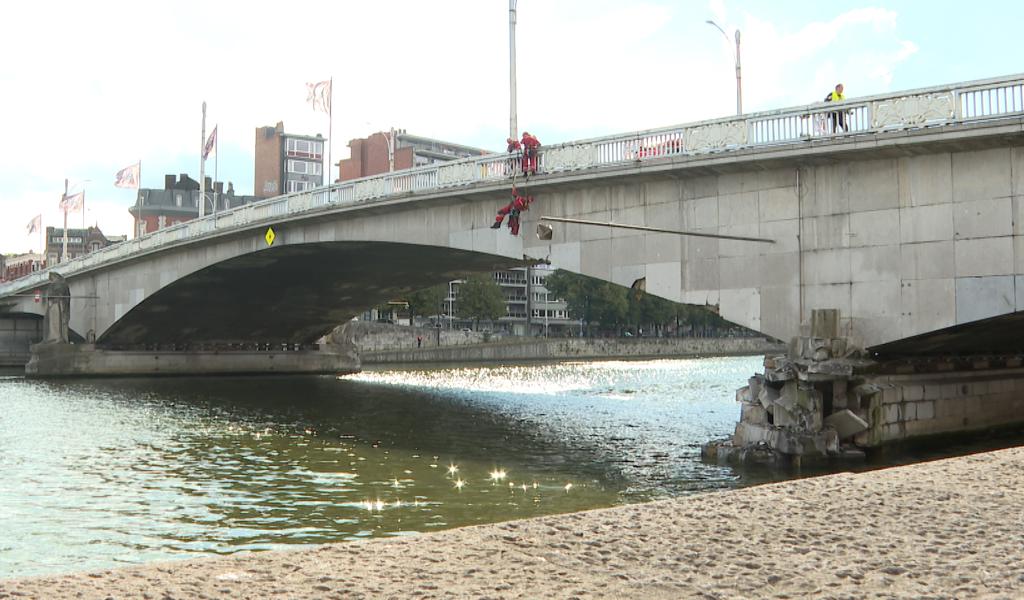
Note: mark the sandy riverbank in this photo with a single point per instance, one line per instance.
(947, 529)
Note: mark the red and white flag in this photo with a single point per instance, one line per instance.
(211, 143)
(128, 177)
(72, 203)
(319, 95)
(35, 224)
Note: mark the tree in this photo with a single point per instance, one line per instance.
(427, 301)
(480, 298)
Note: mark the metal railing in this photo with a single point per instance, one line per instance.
(915, 109)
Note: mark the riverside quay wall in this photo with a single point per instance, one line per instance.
(574, 348)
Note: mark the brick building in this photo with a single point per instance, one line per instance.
(19, 265)
(178, 202)
(287, 162)
(80, 242)
(374, 155)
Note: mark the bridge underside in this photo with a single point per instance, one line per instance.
(1003, 334)
(290, 294)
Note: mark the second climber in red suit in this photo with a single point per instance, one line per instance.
(514, 149)
(530, 145)
(512, 209)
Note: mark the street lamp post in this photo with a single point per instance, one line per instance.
(736, 54)
(513, 127)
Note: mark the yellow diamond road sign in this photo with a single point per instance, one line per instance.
(270, 237)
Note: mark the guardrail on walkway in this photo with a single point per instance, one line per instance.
(915, 109)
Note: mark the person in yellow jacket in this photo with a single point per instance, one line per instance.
(838, 118)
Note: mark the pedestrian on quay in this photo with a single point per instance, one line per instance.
(419, 341)
(837, 118)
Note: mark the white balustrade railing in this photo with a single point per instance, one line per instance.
(966, 102)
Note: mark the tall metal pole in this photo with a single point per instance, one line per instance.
(330, 133)
(513, 128)
(64, 252)
(216, 161)
(202, 166)
(739, 84)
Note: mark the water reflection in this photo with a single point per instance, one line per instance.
(101, 472)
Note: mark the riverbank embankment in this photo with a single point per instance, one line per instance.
(389, 344)
(945, 529)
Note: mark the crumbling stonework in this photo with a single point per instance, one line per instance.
(824, 399)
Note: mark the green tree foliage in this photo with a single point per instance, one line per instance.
(611, 306)
(428, 301)
(480, 298)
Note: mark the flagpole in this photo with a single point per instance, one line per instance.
(330, 133)
(202, 166)
(216, 160)
(64, 253)
(138, 200)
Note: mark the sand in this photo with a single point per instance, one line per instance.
(946, 529)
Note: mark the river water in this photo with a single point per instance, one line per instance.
(102, 473)
(99, 473)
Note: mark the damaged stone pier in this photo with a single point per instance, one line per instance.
(827, 399)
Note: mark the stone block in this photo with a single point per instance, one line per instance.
(808, 399)
(845, 423)
(768, 396)
(743, 394)
(796, 443)
(891, 413)
(753, 414)
(933, 391)
(839, 394)
(754, 384)
(946, 408)
(978, 388)
(925, 411)
(892, 395)
(787, 397)
(824, 323)
(892, 431)
(909, 411)
(913, 393)
(748, 433)
(783, 417)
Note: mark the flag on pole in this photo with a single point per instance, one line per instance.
(210, 143)
(73, 202)
(35, 224)
(319, 95)
(128, 177)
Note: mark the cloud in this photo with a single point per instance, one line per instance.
(91, 88)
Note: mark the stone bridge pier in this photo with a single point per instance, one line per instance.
(827, 399)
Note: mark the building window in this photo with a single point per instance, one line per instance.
(299, 186)
(305, 149)
(161, 222)
(177, 199)
(305, 168)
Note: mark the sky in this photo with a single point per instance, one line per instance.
(87, 88)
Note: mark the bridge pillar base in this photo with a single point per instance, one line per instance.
(814, 404)
(86, 360)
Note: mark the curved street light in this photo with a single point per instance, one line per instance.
(736, 54)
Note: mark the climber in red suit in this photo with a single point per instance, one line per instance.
(512, 209)
(514, 150)
(530, 145)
